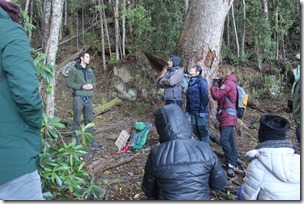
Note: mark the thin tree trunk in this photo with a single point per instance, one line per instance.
(106, 28)
(77, 30)
(117, 29)
(244, 29)
(228, 35)
(265, 6)
(52, 47)
(123, 27)
(186, 5)
(31, 19)
(27, 3)
(82, 23)
(277, 36)
(235, 32)
(65, 12)
(46, 23)
(102, 38)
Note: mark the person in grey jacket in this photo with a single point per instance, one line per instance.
(171, 80)
(274, 173)
(180, 167)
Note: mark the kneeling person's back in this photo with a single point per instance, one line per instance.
(180, 168)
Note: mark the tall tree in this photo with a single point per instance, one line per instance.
(51, 50)
(117, 41)
(201, 38)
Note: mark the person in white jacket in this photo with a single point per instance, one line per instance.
(274, 172)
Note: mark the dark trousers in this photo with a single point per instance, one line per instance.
(228, 144)
(298, 133)
(85, 108)
(177, 102)
(200, 127)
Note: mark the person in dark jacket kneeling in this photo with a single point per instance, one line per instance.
(179, 167)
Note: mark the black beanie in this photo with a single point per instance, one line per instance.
(273, 127)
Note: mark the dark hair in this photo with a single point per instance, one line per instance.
(82, 54)
(198, 68)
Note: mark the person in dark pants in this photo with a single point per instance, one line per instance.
(171, 80)
(20, 110)
(226, 113)
(197, 103)
(180, 167)
(296, 105)
(82, 80)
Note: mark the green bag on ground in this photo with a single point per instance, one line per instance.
(139, 136)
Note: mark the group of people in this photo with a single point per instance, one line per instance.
(180, 167)
(183, 168)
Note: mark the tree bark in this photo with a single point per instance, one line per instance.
(102, 37)
(117, 29)
(123, 27)
(235, 32)
(244, 29)
(47, 8)
(51, 50)
(201, 38)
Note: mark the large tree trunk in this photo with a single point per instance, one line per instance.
(201, 38)
(51, 50)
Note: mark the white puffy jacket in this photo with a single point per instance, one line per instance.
(273, 174)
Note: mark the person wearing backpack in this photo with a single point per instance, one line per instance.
(171, 80)
(197, 103)
(274, 172)
(179, 167)
(226, 114)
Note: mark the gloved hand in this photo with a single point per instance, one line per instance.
(239, 193)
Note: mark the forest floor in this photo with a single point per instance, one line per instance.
(124, 181)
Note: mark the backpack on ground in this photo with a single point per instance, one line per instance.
(139, 136)
(241, 102)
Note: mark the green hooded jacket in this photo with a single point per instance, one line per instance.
(76, 80)
(20, 102)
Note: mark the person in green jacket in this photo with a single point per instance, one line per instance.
(20, 112)
(82, 81)
(296, 106)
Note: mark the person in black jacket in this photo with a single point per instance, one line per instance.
(179, 167)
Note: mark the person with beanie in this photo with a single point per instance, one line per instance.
(180, 167)
(171, 80)
(20, 112)
(274, 172)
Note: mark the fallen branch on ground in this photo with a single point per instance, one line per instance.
(103, 164)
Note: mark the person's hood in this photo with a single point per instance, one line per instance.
(278, 161)
(78, 66)
(11, 11)
(172, 123)
(176, 60)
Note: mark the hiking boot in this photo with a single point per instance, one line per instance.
(230, 172)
